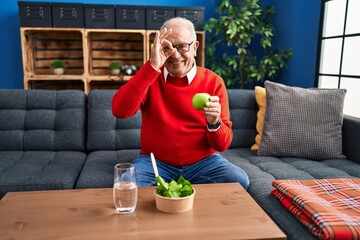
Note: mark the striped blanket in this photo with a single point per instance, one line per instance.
(329, 208)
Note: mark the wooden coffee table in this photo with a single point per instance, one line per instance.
(221, 211)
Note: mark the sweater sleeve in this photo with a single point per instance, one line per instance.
(221, 139)
(127, 100)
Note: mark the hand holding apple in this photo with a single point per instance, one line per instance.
(210, 105)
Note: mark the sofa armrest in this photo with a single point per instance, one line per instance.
(351, 138)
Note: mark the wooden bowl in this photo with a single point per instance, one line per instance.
(174, 205)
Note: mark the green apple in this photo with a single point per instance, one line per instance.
(199, 100)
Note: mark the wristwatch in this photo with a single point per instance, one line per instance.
(214, 126)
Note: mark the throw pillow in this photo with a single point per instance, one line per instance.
(303, 123)
(260, 96)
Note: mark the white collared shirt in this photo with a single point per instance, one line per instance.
(190, 75)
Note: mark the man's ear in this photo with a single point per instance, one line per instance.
(196, 45)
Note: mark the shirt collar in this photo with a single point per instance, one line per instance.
(190, 75)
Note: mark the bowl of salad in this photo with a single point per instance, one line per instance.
(174, 197)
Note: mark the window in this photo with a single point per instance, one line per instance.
(339, 54)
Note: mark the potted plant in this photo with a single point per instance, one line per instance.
(243, 33)
(58, 66)
(115, 67)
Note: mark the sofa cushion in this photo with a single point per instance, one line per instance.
(106, 132)
(351, 138)
(34, 120)
(98, 171)
(304, 123)
(260, 95)
(243, 110)
(39, 170)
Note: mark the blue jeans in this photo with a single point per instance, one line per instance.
(213, 169)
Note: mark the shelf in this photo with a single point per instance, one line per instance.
(56, 77)
(105, 46)
(114, 85)
(87, 54)
(42, 45)
(56, 84)
(120, 78)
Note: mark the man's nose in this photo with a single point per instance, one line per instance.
(176, 54)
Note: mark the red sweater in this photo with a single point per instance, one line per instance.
(171, 128)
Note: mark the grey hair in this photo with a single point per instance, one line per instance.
(183, 21)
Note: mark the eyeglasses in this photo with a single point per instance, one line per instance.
(183, 47)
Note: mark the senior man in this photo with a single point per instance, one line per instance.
(185, 141)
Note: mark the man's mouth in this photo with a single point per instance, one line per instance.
(176, 62)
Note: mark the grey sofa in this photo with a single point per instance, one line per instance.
(42, 139)
(65, 139)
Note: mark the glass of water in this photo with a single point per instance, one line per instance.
(125, 191)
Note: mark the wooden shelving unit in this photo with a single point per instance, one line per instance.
(87, 54)
(41, 45)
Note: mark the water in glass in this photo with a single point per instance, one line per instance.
(125, 196)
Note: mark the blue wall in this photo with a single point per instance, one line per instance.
(297, 27)
(296, 23)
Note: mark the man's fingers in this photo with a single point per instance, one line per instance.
(214, 98)
(165, 33)
(212, 110)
